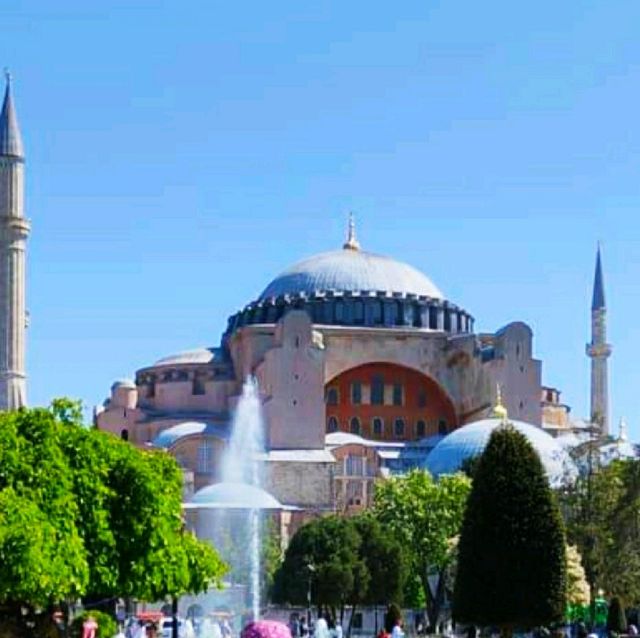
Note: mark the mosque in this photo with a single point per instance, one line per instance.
(365, 368)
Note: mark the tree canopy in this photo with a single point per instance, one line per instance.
(511, 554)
(341, 561)
(83, 514)
(425, 515)
(602, 520)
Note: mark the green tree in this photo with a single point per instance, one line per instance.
(385, 563)
(424, 515)
(616, 618)
(603, 520)
(85, 514)
(323, 557)
(511, 555)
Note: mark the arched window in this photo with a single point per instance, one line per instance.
(398, 428)
(198, 386)
(442, 426)
(332, 424)
(205, 457)
(332, 396)
(397, 394)
(355, 425)
(124, 434)
(356, 393)
(421, 429)
(378, 426)
(377, 390)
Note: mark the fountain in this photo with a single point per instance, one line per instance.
(241, 465)
(232, 509)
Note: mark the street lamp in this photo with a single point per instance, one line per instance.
(310, 570)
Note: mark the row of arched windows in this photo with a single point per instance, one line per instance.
(378, 426)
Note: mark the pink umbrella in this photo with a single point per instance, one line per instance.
(266, 629)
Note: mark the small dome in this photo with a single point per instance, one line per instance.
(350, 270)
(123, 383)
(470, 440)
(233, 496)
(199, 355)
(172, 435)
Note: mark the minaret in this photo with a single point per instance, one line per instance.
(599, 351)
(14, 229)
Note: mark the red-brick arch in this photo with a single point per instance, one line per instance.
(424, 408)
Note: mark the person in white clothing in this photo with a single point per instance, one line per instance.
(397, 630)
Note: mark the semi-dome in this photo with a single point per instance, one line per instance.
(350, 270)
(470, 440)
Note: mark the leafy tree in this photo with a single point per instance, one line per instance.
(85, 514)
(385, 562)
(602, 513)
(323, 556)
(616, 618)
(347, 562)
(511, 555)
(424, 515)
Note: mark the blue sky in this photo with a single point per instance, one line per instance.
(181, 154)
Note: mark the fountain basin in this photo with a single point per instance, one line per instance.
(231, 495)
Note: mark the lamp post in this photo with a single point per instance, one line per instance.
(310, 569)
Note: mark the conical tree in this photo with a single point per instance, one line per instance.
(511, 566)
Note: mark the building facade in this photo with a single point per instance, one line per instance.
(343, 343)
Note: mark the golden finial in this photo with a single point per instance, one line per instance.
(499, 411)
(352, 242)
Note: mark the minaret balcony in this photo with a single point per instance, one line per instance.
(598, 350)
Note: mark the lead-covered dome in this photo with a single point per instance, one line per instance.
(350, 270)
(470, 440)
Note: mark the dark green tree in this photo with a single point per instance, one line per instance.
(616, 617)
(323, 555)
(385, 563)
(511, 554)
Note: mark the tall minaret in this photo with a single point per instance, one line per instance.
(14, 229)
(599, 351)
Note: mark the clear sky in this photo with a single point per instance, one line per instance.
(181, 154)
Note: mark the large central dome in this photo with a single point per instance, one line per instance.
(351, 270)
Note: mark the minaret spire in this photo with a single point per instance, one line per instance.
(599, 351)
(598, 284)
(10, 138)
(14, 230)
(351, 243)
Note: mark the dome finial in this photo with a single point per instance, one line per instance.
(352, 242)
(499, 411)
